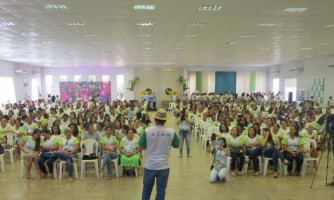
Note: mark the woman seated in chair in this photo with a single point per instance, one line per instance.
(223, 131)
(31, 146)
(270, 147)
(253, 149)
(50, 145)
(221, 152)
(2, 141)
(129, 151)
(293, 146)
(68, 147)
(236, 145)
(109, 145)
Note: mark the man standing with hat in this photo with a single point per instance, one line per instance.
(157, 140)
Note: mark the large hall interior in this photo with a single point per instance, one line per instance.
(246, 87)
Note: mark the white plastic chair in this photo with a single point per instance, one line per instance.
(207, 137)
(62, 163)
(307, 147)
(2, 162)
(205, 128)
(11, 138)
(88, 145)
(266, 163)
(115, 161)
(196, 130)
(23, 168)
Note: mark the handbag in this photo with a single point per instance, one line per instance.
(91, 156)
(237, 149)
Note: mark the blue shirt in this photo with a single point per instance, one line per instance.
(154, 98)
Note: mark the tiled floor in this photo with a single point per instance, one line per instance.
(189, 179)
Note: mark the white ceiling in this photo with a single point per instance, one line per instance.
(295, 36)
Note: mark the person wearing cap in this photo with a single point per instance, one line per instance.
(157, 140)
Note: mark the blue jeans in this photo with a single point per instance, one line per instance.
(2, 150)
(253, 155)
(106, 160)
(68, 159)
(275, 154)
(149, 179)
(49, 157)
(184, 135)
(299, 161)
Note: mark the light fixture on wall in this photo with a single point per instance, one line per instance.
(36, 73)
(20, 71)
(298, 70)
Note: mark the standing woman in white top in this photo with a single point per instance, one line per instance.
(184, 132)
(50, 145)
(31, 146)
(68, 147)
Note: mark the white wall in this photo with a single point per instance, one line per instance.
(7, 70)
(243, 81)
(312, 69)
(85, 72)
(260, 82)
(158, 80)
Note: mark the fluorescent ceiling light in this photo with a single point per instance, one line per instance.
(7, 24)
(29, 34)
(147, 48)
(198, 24)
(210, 7)
(329, 26)
(74, 24)
(55, 6)
(145, 23)
(189, 35)
(309, 56)
(306, 49)
(47, 42)
(88, 34)
(266, 25)
(72, 52)
(231, 43)
(145, 35)
(264, 48)
(97, 42)
(107, 52)
(328, 43)
(179, 48)
(147, 42)
(58, 47)
(246, 36)
(144, 7)
(295, 10)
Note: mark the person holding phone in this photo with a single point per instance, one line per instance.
(219, 168)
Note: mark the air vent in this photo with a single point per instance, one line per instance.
(330, 65)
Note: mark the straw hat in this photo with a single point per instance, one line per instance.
(161, 114)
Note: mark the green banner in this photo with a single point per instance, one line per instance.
(252, 81)
(199, 81)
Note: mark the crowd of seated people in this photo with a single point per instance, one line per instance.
(47, 131)
(251, 124)
(258, 125)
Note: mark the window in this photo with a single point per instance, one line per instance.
(63, 78)
(8, 89)
(275, 85)
(120, 86)
(49, 84)
(105, 78)
(91, 78)
(77, 78)
(35, 89)
(290, 86)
